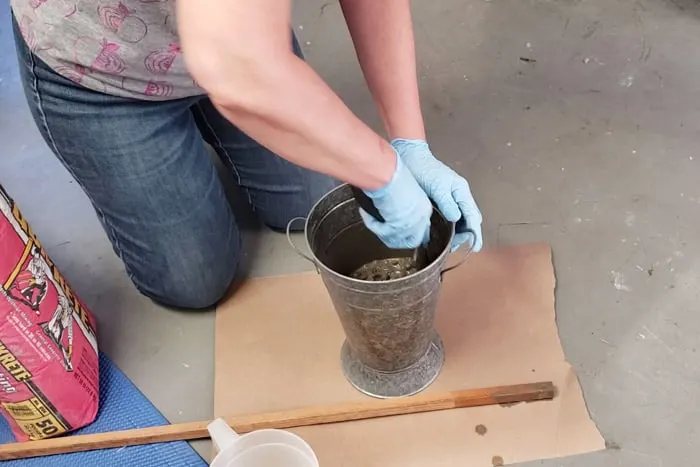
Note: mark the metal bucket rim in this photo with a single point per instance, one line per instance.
(445, 252)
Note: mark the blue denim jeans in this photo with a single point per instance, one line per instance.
(145, 168)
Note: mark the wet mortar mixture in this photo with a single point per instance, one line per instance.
(385, 269)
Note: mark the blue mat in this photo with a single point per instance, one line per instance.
(122, 406)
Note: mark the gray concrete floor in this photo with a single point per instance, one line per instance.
(591, 146)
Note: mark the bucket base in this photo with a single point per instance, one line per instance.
(402, 383)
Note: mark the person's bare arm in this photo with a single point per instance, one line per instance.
(382, 32)
(239, 51)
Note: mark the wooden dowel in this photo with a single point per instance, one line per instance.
(374, 408)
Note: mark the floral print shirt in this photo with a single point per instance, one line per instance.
(126, 48)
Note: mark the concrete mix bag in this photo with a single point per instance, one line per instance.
(48, 349)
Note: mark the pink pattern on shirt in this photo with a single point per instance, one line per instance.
(158, 89)
(74, 73)
(120, 20)
(36, 3)
(108, 60)
(27, 32)
(160, 61)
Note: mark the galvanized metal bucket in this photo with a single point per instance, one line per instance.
(391, 347)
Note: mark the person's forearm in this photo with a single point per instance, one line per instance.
(273, 96)
(290, 110)
(382, 32)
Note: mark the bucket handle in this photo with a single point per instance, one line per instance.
(464, 256)
(291, 242)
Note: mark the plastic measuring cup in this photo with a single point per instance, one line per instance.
(262, 448)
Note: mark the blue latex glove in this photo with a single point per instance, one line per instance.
(405, 208)
(444, 186)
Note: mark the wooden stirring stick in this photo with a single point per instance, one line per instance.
(374, 408)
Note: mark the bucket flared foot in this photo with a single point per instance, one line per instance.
(402, 383)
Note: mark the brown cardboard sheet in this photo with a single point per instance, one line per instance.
(278, 342)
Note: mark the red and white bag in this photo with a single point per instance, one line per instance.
(49, 372)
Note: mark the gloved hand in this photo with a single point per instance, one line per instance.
(444, 186)
(405, 208)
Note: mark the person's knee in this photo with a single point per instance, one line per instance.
(191, 279)
(197, 292)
